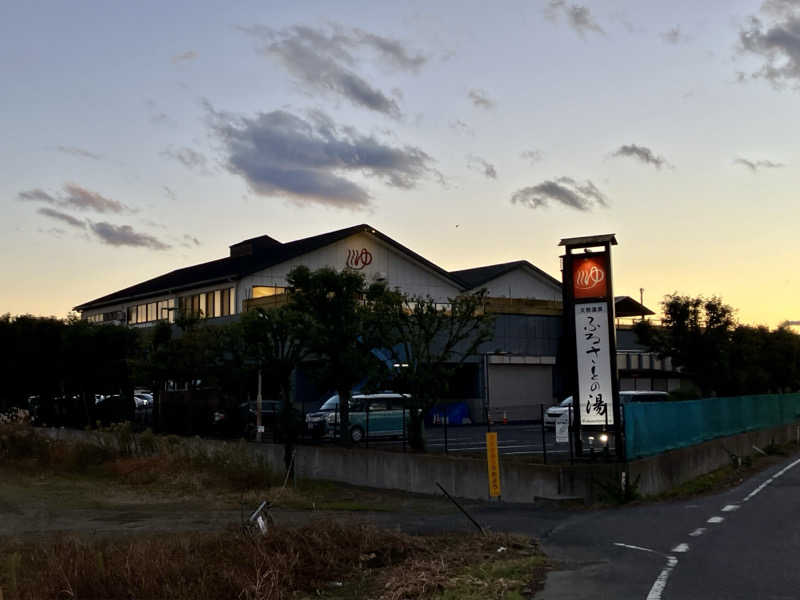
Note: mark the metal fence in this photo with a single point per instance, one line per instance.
(655, 427)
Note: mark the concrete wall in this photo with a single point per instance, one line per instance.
(665, 471)
(467, 477)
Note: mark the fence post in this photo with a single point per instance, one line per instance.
(404, 425)
(544, 436)
(445, 430)
(569, 430)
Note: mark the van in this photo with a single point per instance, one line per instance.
(375, 415)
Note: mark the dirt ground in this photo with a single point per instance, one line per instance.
(34, 505)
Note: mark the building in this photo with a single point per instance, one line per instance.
(518, 364)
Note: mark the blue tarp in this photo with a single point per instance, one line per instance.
(457, 414)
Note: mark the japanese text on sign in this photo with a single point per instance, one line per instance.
(595, 392)
(493, 464)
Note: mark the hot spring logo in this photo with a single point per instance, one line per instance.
(589, 277)
(358, 259)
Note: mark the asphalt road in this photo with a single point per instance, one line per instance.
(740, 544)
(743, 543)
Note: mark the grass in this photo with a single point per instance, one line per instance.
(463, 567)
(86, 486)
(728, 476)
(326, 559)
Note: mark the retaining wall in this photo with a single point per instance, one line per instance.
(662, 472)
(467, 477)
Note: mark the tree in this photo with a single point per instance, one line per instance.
(273, 342)
(153, 365)
(429, 339)
(337, 329)
(696, 333)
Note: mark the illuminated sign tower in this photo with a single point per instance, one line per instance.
(590, 349)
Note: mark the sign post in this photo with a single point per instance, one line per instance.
(493, 463)
(590, 336)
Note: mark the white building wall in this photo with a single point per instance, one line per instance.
(522, 283)
(386, 262)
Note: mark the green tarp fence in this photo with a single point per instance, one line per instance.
(655, 427)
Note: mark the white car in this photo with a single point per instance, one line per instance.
(551, 414)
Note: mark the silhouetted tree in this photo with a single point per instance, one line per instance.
(429, 340)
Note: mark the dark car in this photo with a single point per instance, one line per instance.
(241, 421)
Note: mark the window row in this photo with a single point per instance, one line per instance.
(217, 303)
(163, 310)
(107, 317)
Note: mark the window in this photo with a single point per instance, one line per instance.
(151, 311)
(132, 315)
(210, 297)
(141, 313)
(217, 303)
(263, 291)
(225, 302)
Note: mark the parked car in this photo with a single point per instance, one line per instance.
(376, 415)
(552, 414)
(242, 420)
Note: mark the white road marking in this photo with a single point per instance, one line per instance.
(661, 581)
(716, 520)
(698, 531)
(730, 508)
(630, 547)
(770, 480)
(682, 547)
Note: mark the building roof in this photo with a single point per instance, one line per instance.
(589, 240)
(266, 252)
(477, 276)
(625, 306)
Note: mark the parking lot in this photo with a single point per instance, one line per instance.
(471, 439)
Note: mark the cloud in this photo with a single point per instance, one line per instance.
(578, 17)
(184, 57)
(156, 115)
(83, 199)
(481, 99)
(642, 153)
(189, 241)
(776, 43)
(36, 195)
(281, 153)
(325, 61)
(124, 235)
(481, 164)
(461, 127)
(674, 36)
(75, 151)
(169, 192)
(191, 159)
(75, 196)
(61, 216)
(392, 51)
(532, 156)
(755, 165)
(563, 190)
